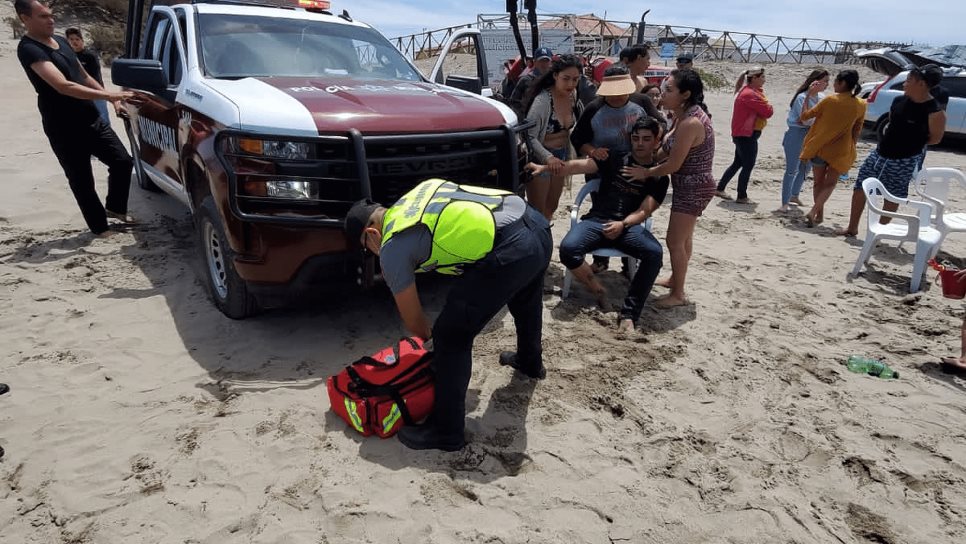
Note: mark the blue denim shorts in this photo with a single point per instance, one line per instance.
(560, 154)
(819, 161)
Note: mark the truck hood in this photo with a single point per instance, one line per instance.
(371, 106)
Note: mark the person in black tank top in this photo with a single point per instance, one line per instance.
(65, 95)
(915, 121)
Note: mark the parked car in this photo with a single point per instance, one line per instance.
(880, 102)
(867, 89)
(895, 64)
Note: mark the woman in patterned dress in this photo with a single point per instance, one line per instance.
(689, 152)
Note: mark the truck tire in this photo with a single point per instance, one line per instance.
(143, 181)
(228, 291)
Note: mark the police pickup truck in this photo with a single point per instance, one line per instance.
(267, 119)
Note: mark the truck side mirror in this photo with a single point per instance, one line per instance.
(141, 74)
(466, 83)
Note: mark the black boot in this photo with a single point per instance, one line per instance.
(537, 372)
(427, 437)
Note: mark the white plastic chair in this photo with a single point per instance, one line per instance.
(903, 227)
(934, 185)
(590, 187)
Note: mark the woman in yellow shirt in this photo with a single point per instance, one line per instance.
(830, 142)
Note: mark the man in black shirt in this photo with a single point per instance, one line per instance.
(621, 207)
(915, 121)
(91, 63)
(65, 95)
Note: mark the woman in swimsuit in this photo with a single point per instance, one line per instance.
(689, 152)
(554, 108)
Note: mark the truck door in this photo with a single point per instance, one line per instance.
(158, 114)
(456, 68)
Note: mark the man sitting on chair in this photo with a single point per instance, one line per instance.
(616, 219)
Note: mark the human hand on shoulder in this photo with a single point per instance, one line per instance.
(636, 172)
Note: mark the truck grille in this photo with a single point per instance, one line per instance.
(395, 164)
(396, 168)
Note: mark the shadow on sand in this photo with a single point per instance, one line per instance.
(299, 347)
(496, 440)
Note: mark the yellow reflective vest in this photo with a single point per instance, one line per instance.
(459, 217)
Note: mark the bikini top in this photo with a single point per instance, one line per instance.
(554, 125)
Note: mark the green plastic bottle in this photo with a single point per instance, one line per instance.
(872, 367)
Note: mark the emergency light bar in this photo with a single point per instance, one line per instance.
(312, 5)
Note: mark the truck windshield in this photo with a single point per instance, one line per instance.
(239, 46)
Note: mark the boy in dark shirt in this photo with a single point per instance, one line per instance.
(91, 63)
(915, 121)
(65, 97)
(616, 219)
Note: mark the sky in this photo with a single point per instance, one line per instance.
(933, 22)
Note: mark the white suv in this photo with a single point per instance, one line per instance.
(880, 101)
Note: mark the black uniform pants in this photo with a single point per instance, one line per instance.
(74, 148)
(511, 275)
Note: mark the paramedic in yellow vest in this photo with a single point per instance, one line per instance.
(498, 245)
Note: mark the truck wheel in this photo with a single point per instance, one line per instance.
(143, 181)
(228, 291)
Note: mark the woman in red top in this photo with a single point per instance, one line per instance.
(751, 112)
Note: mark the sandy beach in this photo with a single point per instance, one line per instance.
(140, 414)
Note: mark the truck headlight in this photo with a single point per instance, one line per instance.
(293, 190)
(277, 149)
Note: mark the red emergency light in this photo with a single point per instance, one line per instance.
(314, 4)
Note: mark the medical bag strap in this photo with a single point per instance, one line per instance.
(365, 389)
(403, 409)
(367, 359)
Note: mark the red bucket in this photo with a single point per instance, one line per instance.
(953, 287)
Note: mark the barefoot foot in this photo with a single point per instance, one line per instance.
(669, 301)
(954, 364)
(625, 325)
(846, 232)
(603, 302)
(122, 217)
(665, 282)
